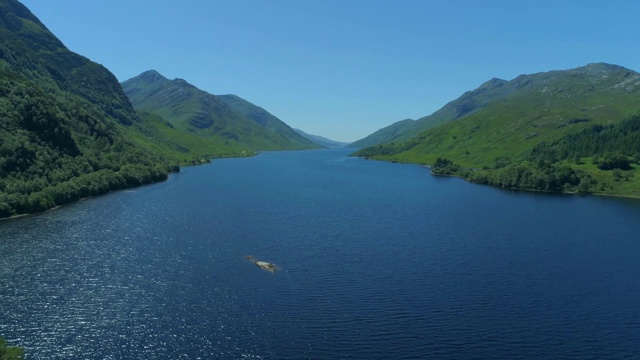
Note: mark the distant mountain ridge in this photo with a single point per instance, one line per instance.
(591, 78)
(385, 134)
(264, 118)
(228, 119)
(320, 140)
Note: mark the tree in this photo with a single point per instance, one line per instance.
(612, 161)
(10, 352)
(617, 174)
(5, 209)
(440, 163)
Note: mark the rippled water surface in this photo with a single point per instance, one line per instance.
(377, 261)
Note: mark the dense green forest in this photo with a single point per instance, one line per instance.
(622, 138)
(54, 152)
(10, 352)
(63, 122)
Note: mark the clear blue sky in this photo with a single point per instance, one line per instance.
(344, 68)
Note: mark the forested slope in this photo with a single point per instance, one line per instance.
(61, 122)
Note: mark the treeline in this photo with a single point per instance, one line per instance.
(54, 151)
(598, 141)
(530, 175)
(18, 199)
(544, 176)
(547, 167)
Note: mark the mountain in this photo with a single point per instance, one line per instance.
(321, 140)
(228, 120)
(267, 120)
(466, 104)
(504, 121)
(28, 49)
(64, 122)
(579, 80)
(385, 134)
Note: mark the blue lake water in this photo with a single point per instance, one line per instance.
(377, 261)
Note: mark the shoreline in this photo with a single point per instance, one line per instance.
(541, 191)
(208, 161)
(428, 167)
(19, 216)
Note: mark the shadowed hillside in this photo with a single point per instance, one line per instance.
(63, 122)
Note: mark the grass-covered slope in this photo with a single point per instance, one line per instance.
(63, 122)
(159, 136)
(539, 108)
(468, 103)
(193, 110)
(585, 82)
(385, 134)
(320, 140)
(267, 121)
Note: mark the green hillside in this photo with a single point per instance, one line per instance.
(63, 122)
(267, 121)
(552, 85)
(159, 136)
(321, 140)
(230, 122)
(391, 132)
(468, 103)
(535, 109)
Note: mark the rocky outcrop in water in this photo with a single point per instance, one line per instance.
(262, 264)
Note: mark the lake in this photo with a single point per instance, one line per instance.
(376, 261)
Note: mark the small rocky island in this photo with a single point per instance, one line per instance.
(262, 264)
